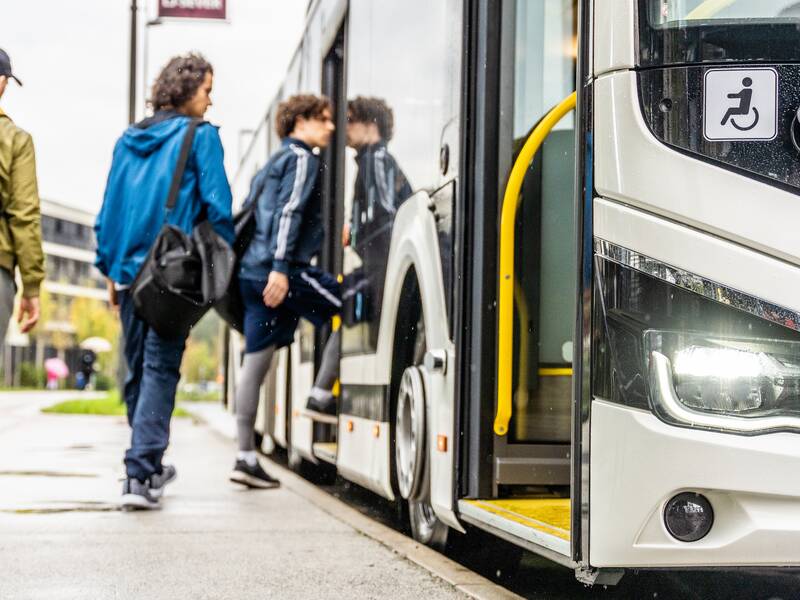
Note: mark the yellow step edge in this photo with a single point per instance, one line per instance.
(547, 515)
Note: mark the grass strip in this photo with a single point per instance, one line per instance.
(108, 406)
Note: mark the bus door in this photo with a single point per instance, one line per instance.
(321, 443)
(530, 492)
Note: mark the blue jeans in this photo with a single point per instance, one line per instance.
(153, 372)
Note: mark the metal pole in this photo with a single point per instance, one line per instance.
(146, 59)
(145, 49)
(132, 80)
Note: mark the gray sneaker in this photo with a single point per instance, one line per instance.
(136, 496)
(159, 481)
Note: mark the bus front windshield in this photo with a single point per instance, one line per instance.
(696, 31)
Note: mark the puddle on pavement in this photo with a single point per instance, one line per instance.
(46, 474)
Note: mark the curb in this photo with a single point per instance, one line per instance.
(461, 578)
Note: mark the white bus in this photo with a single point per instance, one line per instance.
(582, 335)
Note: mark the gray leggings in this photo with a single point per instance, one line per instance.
(329, 369)
(254, 370)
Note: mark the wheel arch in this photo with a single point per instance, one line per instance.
(414, 274)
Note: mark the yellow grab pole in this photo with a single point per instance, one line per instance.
(505, 341)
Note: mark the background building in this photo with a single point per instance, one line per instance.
(68, 243)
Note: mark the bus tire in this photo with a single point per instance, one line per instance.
(425, 526)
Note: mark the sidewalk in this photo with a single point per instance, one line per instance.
(61, 535)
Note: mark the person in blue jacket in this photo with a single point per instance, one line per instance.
(276, 278)
(131, 217)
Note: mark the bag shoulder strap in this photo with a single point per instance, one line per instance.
(180, 167)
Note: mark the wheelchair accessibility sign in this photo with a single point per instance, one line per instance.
(740, 104)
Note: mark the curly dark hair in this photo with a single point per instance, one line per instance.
(307, 106)
(179, 81)
(362, 109)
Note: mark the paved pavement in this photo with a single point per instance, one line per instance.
(61, 535)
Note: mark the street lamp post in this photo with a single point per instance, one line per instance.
(145, 55)
(132, 79)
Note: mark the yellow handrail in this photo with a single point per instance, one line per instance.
(505, 341)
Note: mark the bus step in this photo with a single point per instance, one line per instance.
(543, 522)
(321, 418)
(325, 451)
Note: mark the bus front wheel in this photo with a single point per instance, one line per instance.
(411, 449)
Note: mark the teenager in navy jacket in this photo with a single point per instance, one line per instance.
(276, 278)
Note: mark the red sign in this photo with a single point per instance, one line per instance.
(192, 9)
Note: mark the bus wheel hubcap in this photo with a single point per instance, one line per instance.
(410, 434)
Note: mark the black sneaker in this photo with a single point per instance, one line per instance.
(254, 477)
(321, 409)
(159, 481)
(136, 496)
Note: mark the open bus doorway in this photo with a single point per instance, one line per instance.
(528, 499)
(318, 437)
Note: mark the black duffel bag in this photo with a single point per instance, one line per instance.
(183, 275)
(230, 306)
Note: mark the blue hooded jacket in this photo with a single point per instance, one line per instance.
(289, 228)
(134, 204)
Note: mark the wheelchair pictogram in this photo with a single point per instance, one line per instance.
(740, 104)
(745, 98)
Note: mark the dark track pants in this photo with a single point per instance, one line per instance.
(313, 294)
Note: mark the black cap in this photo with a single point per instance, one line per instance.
(5, 66)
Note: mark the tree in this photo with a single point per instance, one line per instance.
(199, 362)
(52, 310)
(93, 318)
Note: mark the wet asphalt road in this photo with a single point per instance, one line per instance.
(539, 578)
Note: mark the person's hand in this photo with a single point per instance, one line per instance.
(29, 307)
(346, 235)
(113, 299)
(276, 289)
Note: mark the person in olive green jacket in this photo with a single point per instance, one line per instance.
(20, 219)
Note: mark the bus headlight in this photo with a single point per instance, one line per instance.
(694, 353)
(733, 384)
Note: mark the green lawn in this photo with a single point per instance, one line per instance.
(109, 405)
(197, 396)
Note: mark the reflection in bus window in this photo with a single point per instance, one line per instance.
(380, 188)
(402, 52)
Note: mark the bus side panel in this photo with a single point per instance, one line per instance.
(639, 463)
(441, 438)
(364, 452)
(415, 243)
(302, 378)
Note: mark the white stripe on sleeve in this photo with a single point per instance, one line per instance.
(291, 205)
(321, 290)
